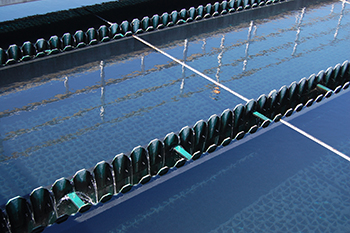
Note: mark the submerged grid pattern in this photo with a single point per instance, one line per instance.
(66, 132)
(313, 200)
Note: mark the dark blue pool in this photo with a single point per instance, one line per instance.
(56, 124)
(10, 10)
(273, 181)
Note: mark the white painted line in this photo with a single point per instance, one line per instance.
(315, 140)
(190, 68)
(345, 1)
(243, 98)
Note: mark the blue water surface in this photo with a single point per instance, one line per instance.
(274, 181)
(73, 120)
(40, 7)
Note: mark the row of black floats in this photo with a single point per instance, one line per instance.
(57, 44)
(304, 93)
(92, 36)
(87, 187)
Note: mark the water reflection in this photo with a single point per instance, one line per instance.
(142, 63)
(182, 85)
(270, 51)
(339, 21)
(132, 75)
(298, 21)
(253, 28)
(204, 45)
(103, 84)
(216, 91)
(66, 84)
(332, 9)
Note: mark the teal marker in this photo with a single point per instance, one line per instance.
(261, 116)
(76, 200)
(179, 149)
(326, 89)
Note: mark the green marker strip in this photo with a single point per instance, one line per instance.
(179, 149)
(261, 116)
(76, 200)
(326, 89)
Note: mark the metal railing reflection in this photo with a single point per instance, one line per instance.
(339, 21)
(183, 68)
(66, 84)
(103, 90)
(298, 21)
(216, 90)
(253, 28)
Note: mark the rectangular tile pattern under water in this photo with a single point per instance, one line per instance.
(275, 181)
(74, 119)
